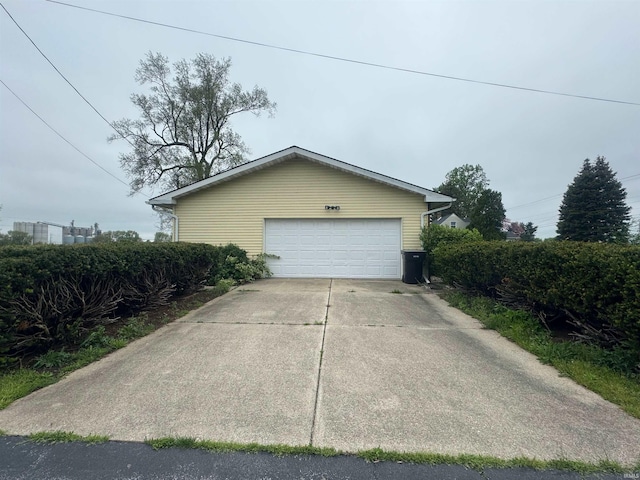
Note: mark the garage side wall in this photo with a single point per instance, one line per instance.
(235, 211)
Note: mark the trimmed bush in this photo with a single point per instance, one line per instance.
(433, 236)
(53, 294)
(596, 285)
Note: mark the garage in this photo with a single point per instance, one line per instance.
(323, 217)
(334, 248)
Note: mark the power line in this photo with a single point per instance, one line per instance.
(61, 74)
(62, 137)
(74, 88)
(560, 194)
(535, 201)
(342, 59)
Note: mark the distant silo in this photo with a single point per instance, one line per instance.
(79, 239)
(24, 227)
(68, 239)
(40, 233)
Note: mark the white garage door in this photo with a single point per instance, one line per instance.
(359, 248)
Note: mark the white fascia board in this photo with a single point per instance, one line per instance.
(170, 198)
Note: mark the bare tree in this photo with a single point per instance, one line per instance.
(184, 134)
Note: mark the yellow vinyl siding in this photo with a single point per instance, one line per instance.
(234, 211)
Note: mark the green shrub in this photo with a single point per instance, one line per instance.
(56, 295)
(230, 262)
(595, 285)
(53, 294)
(433, 236)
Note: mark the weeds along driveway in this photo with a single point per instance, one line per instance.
(397, 371)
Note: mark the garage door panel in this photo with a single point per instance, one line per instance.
(389, 255)
(358, 256)
(354, 248)
(358, 240)
(340, 255)
(307, 240)
(374, 270)
(357, 271)
(374, 256)
(322, 271)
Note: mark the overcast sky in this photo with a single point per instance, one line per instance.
(409, 126)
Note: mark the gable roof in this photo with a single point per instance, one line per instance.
(170, 198)
(446, 218)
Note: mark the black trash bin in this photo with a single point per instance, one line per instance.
(412, 266)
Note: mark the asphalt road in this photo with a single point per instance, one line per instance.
(21, 459)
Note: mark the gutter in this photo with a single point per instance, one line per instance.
(429, 212)
(176, 224)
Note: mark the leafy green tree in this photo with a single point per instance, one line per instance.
(529, 233)
(487, 214)
(13, 237)
(121, 236)
(466, 184)
(184, 134)
(161, 237)
(593, 208)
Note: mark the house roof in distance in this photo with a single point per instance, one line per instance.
(445, 218)
(170, 198)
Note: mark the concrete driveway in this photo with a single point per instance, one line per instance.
(337, 363)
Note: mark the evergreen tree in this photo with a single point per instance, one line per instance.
(529, 234)
(593, 208)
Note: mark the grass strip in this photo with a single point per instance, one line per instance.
(481, 462)
(212, 446)
(590, 366)
(475, 462)
(19, 383)
(60, 436)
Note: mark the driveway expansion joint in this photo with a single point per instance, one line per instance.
(316, 400)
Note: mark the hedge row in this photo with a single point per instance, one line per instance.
(435, 235)
(54, 294)
(598, 284)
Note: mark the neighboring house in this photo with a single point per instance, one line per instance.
(321, 216)
(512, 236)
(453, 221)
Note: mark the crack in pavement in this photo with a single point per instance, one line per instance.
(315, 404)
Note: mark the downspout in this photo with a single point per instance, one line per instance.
(429, 212)
(422, 217)
(176, 223)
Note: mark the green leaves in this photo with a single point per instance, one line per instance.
(184, 132)
(53, 294)
(598, 284)
(434, 235)
(465, 183)
(487, 214)
(468, 184)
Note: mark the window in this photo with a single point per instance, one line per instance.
(453, 224)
